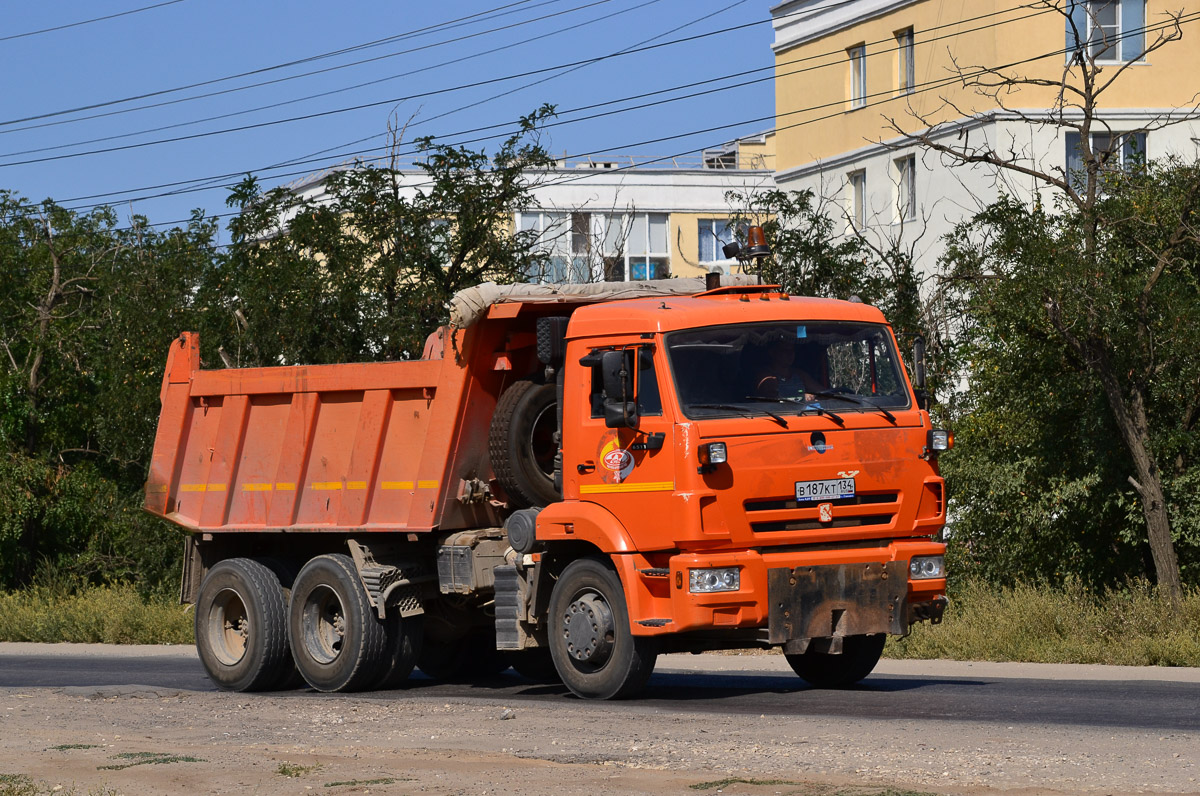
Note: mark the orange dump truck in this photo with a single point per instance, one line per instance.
(569, 482)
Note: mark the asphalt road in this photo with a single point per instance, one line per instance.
(1020, 695)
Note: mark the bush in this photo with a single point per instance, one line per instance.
(1134, 626)
(95, 615)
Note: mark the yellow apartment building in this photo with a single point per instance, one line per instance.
(852, 78)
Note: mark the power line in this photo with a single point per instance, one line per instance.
(394, 100)
(835, 53)
(459, 22)
(882, 98)
(885, 97)
(88, 21)
(363, 106)
(330, 92)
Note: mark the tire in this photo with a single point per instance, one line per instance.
(404, 640)
(289, 677)
(593, 649)
(825, 670)
(338, 642)
(535, 664)
(521, 444)
(241, 627)
(470, 657)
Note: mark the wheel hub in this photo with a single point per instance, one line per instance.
(589, 629)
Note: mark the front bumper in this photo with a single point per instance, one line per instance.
(793, 594)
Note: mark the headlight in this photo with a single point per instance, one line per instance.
(940, 440)
(705, 581)
(711, 454)
(926, 567)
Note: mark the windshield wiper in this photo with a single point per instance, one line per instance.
(807, 406)
(743, 410)
(856, 399)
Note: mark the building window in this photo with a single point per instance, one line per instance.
(714, 234)
(594, 247)
(647, 256)
(565, 240)
(1106, 30)
(858, 76)
(857, 181)
(1113, 151)
(906, 184)
(906, 67)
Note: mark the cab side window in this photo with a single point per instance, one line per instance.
(649, 400)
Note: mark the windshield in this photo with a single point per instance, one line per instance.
(786, 368)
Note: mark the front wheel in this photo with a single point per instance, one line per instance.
(590, 641)
(241, 626)
(825, 670)
(337, 640)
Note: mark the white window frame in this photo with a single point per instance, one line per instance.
(1112, 44)
(906, 188)
(704, 226)
(858, 75)
(906, 61)
(856, 182)
(1118, 159)
(648, 253)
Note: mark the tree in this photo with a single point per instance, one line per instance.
(1099, 274)
(366, 271)
(87, 311)
(810, 256)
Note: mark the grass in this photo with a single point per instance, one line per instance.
(95, 615)
(147, 759)
(718, 784)
(809, 789)
(21, 785)
(295, 770)
(1132, 625)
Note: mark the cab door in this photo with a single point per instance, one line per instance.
(628, 470)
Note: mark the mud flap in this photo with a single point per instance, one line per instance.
(835, 601)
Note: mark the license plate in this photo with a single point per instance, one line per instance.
(834, 489)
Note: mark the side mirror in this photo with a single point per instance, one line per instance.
(620, 405)
(919, 373)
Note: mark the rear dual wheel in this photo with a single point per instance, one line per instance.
(241, 627)
(338, 641)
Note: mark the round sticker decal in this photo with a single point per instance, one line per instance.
(618, 461)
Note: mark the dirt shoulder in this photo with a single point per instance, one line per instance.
(141, 740)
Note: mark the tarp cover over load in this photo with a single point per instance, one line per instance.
(469, 305)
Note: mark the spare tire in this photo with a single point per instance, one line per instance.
(522, 443)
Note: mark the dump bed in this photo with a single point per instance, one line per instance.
(348, 446)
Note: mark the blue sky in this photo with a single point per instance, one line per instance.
(192, 41)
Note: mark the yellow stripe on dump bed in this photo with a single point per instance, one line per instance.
(326, 484)
(256, 487)
(397, 484)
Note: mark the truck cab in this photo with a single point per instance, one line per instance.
(757, 470)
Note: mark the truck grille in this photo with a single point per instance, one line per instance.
(783, 514)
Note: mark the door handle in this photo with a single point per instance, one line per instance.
(586, 467)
